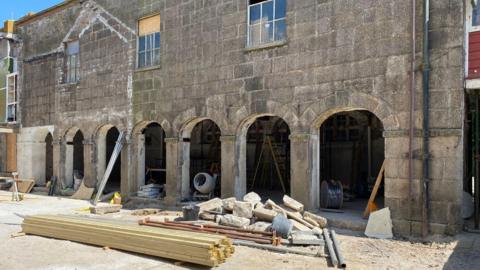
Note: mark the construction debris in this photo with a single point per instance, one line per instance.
(145, 212)
(204, 249)
(306, 238)
(264, 214)
(234, 221)
(151, 191)
(252, 197)
(103, 208)
(243, 209)
(293, 204)
(228, 203)
(322, 222)
(211, 205)
(83, 192)
(380, 224)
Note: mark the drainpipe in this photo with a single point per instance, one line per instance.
(412, 113)
(426, 119)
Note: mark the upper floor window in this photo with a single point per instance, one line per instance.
(72, 62)
(12, 97)
(148, 42)
(476, 15)
(266, 22)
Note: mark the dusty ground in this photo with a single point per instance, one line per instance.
(32, 252)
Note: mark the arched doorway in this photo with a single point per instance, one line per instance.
(267, 157)
(106, 140)
(351, 153)
(48, 157)
(205, 155)
(154, 159)
(74, 159)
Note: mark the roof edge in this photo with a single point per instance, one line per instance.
(53, 9)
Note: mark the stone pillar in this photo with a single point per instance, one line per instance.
(173, 185)
(304, 183)
(127, 170)
(229, 158)
(88, 164)
(58, 162)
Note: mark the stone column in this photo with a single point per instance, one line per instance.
(173, 185)
(304, 183)
(88, 164)
(229, 158)
(127, 170)
(58, 162)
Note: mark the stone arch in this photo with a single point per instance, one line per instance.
(32, 154)
(73, 155)
(318, 113)
(188, 117)
(185, 133)
(240, 184)
(141, 151)
(102, 151)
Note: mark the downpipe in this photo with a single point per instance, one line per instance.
(412, 112)
(426, 120)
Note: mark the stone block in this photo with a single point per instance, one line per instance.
(243, 209)
(252, 197)
(228, 203)
(380, 224)
(234, 221)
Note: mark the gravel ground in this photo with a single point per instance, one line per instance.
(33, 252)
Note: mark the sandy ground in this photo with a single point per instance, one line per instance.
(32, 252)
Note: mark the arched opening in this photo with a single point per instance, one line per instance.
(48, 157)
(78, 169)
(205, 156)
(267, 157)
(106, 140)
(351, 155)
(154, 161)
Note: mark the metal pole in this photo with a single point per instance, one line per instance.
(329, 243)
(426, 123)
(341, 260)
(477, 161)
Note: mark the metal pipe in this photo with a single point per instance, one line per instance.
(477, 161)
(282, 250)
(329, 243)
(412, 112)
(336, 246)
(426, 118)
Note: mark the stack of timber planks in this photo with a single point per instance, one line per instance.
(204, 249)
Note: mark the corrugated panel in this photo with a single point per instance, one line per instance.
(474, 55)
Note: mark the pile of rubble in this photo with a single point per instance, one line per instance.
(289, 220)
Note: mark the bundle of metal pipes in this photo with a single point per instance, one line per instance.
(234, 233)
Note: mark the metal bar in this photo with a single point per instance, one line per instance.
(336, 245)
(329, 243)
(282, 250)
(477, 160)
(111, 163)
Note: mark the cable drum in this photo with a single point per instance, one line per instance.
(331, 194)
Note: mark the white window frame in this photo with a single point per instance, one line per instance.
(152, 50)
(13, 103)
(261, 13)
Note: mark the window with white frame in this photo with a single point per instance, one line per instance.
(72, 62)
(266, 22)
(476, 15)
(12, 97)
(148, 42)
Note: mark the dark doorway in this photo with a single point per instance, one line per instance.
(351, 154)
(155, 153)
(78, 165)
(268, 157)
(114, 180)
(48, 157)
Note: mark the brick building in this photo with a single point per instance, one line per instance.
(276, 95)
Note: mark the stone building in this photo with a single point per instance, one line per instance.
(274, 96)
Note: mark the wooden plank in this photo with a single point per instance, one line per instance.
(371, 200)
(24, 185)
(11, 152)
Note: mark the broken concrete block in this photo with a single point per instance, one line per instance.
(252, 197)
(269, 204)
(322, 222)
(260, 226)
(234, 221)
(243, 209)
(101, 209)
(211, 205)
(228, 203)
(259, 205)
(293, 204)
(380, 224)
(299, 226)
(306, 238)
(264, 214)
(311, 221)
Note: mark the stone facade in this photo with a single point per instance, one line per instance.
(340, 55)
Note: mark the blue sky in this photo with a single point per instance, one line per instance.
(18, 8)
